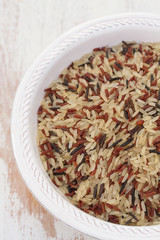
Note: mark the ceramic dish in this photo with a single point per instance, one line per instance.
(71, 46)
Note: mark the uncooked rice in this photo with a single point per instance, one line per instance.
(99, 133)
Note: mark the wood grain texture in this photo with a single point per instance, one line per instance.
(26, 28)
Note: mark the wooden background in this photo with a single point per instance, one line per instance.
(26, 28)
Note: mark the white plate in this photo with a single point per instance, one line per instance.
(69, 47)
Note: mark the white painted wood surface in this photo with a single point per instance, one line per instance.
(26, 28)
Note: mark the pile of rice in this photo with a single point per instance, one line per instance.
(99, 133)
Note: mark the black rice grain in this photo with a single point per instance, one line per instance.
(134, 130)
(87, 79)
(114, 79)
(115, 143)
(102, 140)
(126, 114)
(129, 147)
(127, 83)
(126, 142)
(65, 82)
(146, 87)
(50, 97)
(154, 151)
(87, 92)
(53, 133)
(84, 178)
(133, 216)
(83, 160)
(158, 95)
(58, 173)
(54, 108)
(68, 149)
(71, 189)
(95, 191)
(101, 190)
(53, 145)
(152, 78)
(71, 90)
(77, 149)
(118, 65)
(124, 51)
(128, 222)
(123, 186)
(133, 196)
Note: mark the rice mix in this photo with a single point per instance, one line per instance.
(99, 133)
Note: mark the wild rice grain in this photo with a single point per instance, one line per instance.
(95, 191)
(101, 190)
(99, 133)
(133, 196)
(127, 142)
(123, 186)
(115, 143)
(77, 149)
(55, 147)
